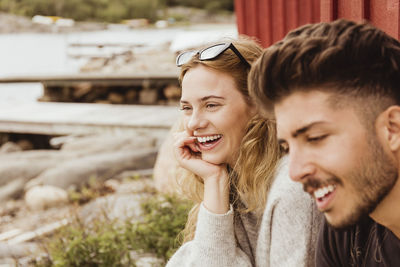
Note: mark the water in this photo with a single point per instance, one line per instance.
(49, 54)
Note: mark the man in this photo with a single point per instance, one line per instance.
(335, 91)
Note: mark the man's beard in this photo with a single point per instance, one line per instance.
(372, 180)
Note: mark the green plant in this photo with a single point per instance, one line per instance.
(162, 222)
(110, 243)
(87, 192)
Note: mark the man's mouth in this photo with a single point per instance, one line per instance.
(208, 142)
(323, 192)
(324, 195)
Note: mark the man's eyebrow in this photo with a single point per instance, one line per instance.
(306, 128)
(203, 99)
(301, 131)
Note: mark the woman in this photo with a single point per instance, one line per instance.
(247, 210)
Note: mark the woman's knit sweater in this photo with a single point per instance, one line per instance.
(285, 237)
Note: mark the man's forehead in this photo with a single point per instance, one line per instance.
(300, 109)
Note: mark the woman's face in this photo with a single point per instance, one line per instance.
(215, 112)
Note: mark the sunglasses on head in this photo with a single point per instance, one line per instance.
(209, 53)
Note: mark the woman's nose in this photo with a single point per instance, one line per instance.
(196, 121)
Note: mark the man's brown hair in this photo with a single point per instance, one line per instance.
(345, 57)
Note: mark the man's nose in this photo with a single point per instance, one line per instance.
(300, 165)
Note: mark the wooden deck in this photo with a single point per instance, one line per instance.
(71, 118)
(97, 79)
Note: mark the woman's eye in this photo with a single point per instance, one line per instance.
(316, 138)
(185, 108)
(211, 105)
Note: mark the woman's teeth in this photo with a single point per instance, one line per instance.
(321, 192)
(208, 138)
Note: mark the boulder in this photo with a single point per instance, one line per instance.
(9, 147)
(18, 250)
(45, 196)
(166, 165)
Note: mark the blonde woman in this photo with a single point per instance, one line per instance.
(247, 212)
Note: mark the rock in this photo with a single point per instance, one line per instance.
(147, 260)
(115, 98)
(166, 166)
(25, 144)
(172, 92)
(45, 196)
(81, 89)
(121, 207)
(131, 96)
(148, 96)
(112, 184)
(17, 251)
(100, 166)
(9, 147)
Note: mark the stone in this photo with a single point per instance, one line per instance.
(172, 92)
(81, 89)
(18, 250)
(25, 144)
(148, 96)
(45, 196)
(9, 147)
(115, 98)
(166, 166)
(117, 206)
(131, 96)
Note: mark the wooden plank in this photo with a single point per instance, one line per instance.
(71, 118)
(98, 79)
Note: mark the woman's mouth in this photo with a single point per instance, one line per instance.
(208, 142)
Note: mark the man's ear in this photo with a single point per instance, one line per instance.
(390, 119)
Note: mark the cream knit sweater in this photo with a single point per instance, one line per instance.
(285, 237)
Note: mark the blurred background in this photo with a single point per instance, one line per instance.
(88, 96)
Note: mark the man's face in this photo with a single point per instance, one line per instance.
(337, 159)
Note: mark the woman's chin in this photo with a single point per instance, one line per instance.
(213, 159)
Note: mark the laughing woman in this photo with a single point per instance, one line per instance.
(247, 212)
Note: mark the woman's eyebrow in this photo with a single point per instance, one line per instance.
(205, 98)
(211, 96)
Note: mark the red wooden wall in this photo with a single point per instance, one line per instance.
(270, 20)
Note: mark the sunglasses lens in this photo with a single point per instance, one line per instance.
(185, 57)
(212, 52)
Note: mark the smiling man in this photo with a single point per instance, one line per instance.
(335, 91)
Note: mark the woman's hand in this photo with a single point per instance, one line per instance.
(215, 177)
(189, 157)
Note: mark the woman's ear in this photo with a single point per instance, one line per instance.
(390, 119)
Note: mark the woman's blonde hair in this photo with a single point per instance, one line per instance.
(259, 153)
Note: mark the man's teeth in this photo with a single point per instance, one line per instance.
(321, 192)
(208, 138)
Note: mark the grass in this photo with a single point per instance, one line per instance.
(114, 243)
